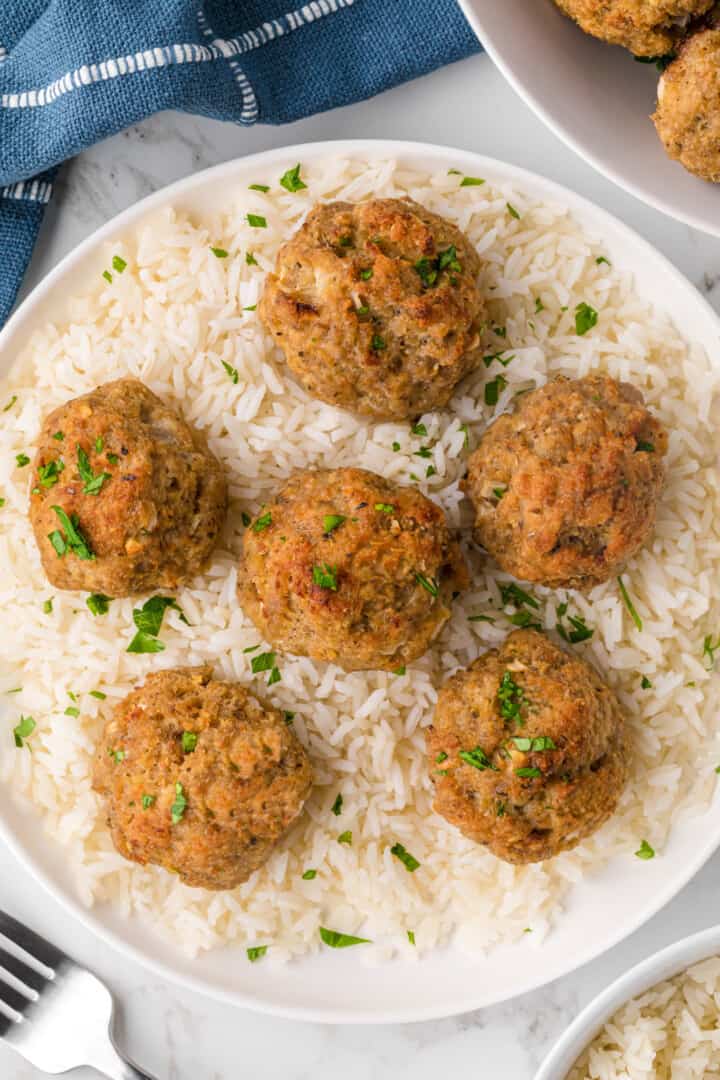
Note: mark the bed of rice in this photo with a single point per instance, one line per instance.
(671, 1032)
(171, 318)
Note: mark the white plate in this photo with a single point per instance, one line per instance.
(336, 987)
(596, 98)
(663, 965)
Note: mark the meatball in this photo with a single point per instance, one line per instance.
(126, 496)
(645, 27)
(528, 751)
(376, 307)
(199, 777)
(687, 117)
(346, 567)
(565, 487)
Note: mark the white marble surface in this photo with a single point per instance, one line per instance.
(179, 1035)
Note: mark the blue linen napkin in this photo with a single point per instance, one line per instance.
(75, 71)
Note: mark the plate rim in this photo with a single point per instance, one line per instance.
(582, 149)
(372, 149)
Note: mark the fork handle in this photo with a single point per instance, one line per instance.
(108, 1061)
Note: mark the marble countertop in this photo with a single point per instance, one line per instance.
(182, 1036)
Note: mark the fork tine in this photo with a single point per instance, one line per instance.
(13, 999)
(30, 942)
(21, 971)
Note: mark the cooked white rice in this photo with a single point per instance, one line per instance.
(171, 318)
(671, 1032)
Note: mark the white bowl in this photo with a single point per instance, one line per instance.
(663, 965)
(596, 98)
(336, 987)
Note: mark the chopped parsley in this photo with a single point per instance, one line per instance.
(219, 253)
(113, 459)
(264, 662)
(118, 264)
(629, 604)
(481, 618)
(644, 447)
(466, 434)
(345, 837)
(98, 694)
(263, 522)
(252, 648)
(72, 710)
(660, 62)
(528, 745)
(579, 632)
(429, 269)
(423, 452)
(645, 851)
(11, 402)
(108, 276)
(117, 755)
(385, 508)
(494, 388)
(147, 801)
(325, 576)
(378, 343)
(498, 492)
(250, 307)
(429, 584)
(257, 221)
(231, 371)
(148, 620)
(250, 259)
(23, 730)
(291, 180)
(332, 522)
(502, 360)
(73, 540)
(409, 861)
(471, 181)
(92, 484)
(430, 471)
(512, 211)
(400, 670)
(513, 594)
(288, 716)
(2, 503)
(528, 772)
(419, 429)
(709, 650)
(22, 460)
(49, 474)
(585, 318)
(539, 306)
(442, 756)
(309, 875)
(98, 603)
(337, 806)
(274, 676)
(645, 683)
(259, 187)
(511, 698)
(601, 259)
(411, 936)
(336, 940)
(179, 806)
(256, 952)
(246, 519)
(477, 758)
(48, 606)
(189, 741)
(365, 275)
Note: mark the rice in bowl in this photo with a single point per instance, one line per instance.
(181, 318)
(671, 1032)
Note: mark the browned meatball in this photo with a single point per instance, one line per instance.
(376, 306)
(126, 496)
(645, 27)
(346, 567)
(565, 487)
(527, 752)
(688, 110)
(199, 777)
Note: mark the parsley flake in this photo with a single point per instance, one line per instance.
(325, 576)
(23, 730)
(98, 603)
(336, 940)
(585, 318)
(332, 522)
(257, 221)
(645, 851)
(409, 861)
(291, 180)
(179, 806)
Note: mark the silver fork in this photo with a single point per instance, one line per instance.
(52, 1011)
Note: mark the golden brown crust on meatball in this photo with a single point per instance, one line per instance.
(687, 117)
(528, 750)
(565, 487)
(376, 306)
(645, 27)
(349, 568)
(152, 513)
(199, 777)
